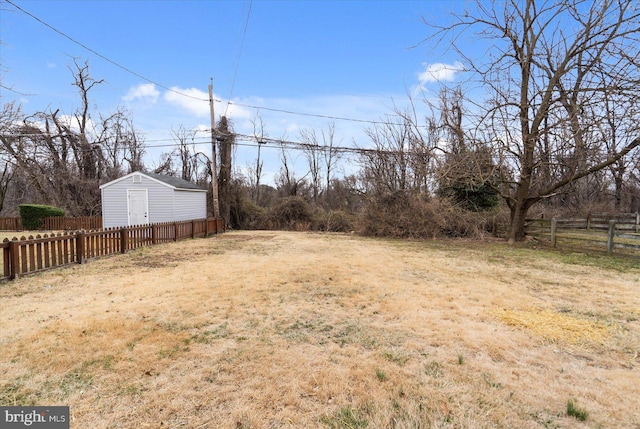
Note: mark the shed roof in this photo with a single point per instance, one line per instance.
(174, 182)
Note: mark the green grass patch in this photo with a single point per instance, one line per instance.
(17, 394)
(345, 418)
(206, 337)
(488, 379)
(74, 381)
(434, 369)
(574, 411)
(397, 358)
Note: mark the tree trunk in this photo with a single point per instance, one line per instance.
(521, 203)
(518, 217)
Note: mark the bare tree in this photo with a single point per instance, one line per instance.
(322, 157)
(122, 146)
(63, 159)
(386, 168)
(255, 174)
(186, 153)
(400, 159)
(547, 63)
(287, 182)
(331, 157)
(8, 117)
(466, 171)
(618, 126)
(313, 154)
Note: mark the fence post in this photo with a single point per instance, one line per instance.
(193, 229)
(637, 222)
(206, 227)
(79, 246)
(14, 252)
(175, 231)
(612, 233)
(124, 240)
(154, 234)
(554, 226)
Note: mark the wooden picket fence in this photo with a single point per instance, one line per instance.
(28, 255)
(71, 223)
(56, 223)
(10, 224)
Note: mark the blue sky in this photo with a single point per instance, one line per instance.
(349, 59)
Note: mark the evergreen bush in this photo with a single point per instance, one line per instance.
(32, 214)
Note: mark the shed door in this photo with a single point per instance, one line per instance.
(138, 206)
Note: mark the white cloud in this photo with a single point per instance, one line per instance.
(196, 102)
(71, 121)
(193, 100)
(439, 72)
(145, 92)
(238, 112)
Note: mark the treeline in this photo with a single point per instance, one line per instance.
(547, 121)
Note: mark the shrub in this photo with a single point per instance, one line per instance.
(406, 215)
(245, 214)
(32, 214)
(473, 197)
(335, 221)
(291, 213)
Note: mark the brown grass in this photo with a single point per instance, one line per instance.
(264, 329)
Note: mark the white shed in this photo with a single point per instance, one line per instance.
(142, 198)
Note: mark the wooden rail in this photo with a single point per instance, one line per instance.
(28, 255)
(599, 231)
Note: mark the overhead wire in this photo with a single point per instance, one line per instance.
(100, 55)
(229, 102)
(249, 141)
(235, 73)
(291, 112)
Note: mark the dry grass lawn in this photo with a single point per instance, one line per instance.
(301, 330)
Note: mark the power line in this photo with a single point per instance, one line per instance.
(229, 102)
(315, 115)
(100, 55)
(235, 74)
(254, 142)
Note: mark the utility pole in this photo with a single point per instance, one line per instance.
(214, 164)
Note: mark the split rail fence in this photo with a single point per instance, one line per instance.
(28, 255)
(621, 231)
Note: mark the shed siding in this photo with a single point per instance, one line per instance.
(114, 208)
(166, 204)
(190, 205)
(160, 202)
